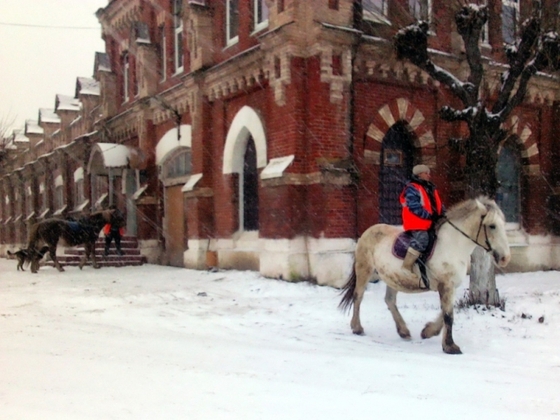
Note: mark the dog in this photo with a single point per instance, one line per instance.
(23, 255)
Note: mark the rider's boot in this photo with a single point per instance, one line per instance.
(411, 256)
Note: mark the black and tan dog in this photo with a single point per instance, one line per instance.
(23, 255)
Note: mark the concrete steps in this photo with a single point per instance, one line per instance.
(129, 246)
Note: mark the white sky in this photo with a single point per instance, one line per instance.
(154, 342)
(36, 63)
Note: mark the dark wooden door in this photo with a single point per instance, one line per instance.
(396, 168)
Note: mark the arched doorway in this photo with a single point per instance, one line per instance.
(249, 189)
(173, 157)
(508, 173)
(175, 167)
(244, 154)
(397, 157)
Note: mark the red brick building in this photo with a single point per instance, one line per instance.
(269, 134)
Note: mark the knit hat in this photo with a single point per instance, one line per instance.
(420, 169)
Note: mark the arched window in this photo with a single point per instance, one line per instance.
(249, 188)
(508, 173)
(396, 167)
(178, 164)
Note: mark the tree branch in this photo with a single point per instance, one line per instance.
(470, 20)
(450, 114)
(518, 58)
(411, 43)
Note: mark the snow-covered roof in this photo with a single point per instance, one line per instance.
(87, 86)
(118, 155)
(33, 127)
(20, 137)
(67, 103)
(48, 116)
(10, 145)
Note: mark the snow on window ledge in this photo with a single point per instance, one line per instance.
(44, 213)
(60, 211)
(191, 183)
(82, 206)
(100, 200)
(276, 167)
(139, 192)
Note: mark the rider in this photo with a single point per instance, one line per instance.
(421, 208)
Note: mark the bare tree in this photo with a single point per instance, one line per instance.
(534, 50)
(6, 125)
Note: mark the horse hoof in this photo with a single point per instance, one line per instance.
(453, 349)
(96, 266)
(358, 332)
(405, 336)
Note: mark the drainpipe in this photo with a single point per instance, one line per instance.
(110, 180)
(357, 20)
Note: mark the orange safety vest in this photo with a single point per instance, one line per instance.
(410, 220)
(107, 229)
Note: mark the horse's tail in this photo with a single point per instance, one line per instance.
(348, 291)
(32, 241)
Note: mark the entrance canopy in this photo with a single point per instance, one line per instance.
(105, 156)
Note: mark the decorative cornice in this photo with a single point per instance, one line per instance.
(120, 16)
(227, 79)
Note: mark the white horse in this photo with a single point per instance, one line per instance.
(471, 223)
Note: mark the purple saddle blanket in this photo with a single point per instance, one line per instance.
(402, 243)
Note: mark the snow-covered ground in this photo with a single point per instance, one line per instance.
(157, 342)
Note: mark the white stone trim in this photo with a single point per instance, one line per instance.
(168, 142)
(246, 123)
(78, 174)
(58, 182)
(329, 261)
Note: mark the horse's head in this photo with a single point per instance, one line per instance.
(492, 231)
(99, 218)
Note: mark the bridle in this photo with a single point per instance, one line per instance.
(488, 247)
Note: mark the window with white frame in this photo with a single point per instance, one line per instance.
(17, 202)
(421, 9)
(510, 20)
(232, 21)
(7, 207)
(484, 35)
(508, 172)
(162, 50)
(260, 12)
(79, 186)
(44, 197)
(28, 201)
(126, 81)
(178, 36)
(375, 11)
(59, 197)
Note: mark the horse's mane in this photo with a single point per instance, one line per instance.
(465, 208)
(101, 216)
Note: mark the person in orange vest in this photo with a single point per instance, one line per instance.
(114, 230)
(421, 208)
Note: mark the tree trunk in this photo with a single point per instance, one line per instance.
(482, 286)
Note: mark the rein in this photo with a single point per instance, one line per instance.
(488, 246)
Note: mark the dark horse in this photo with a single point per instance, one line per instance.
(83, 231)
